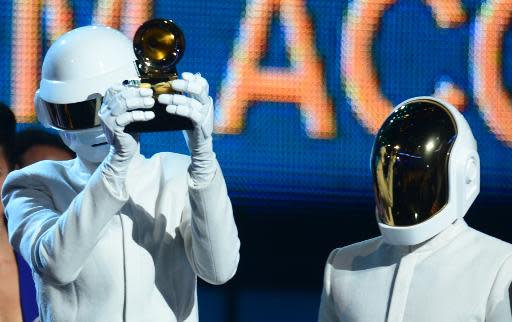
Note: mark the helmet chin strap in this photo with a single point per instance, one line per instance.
(89, 145)
(89, 166)
(93, 155)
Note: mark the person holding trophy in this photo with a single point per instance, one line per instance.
(112, 235)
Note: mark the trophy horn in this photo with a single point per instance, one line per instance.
(159, 44)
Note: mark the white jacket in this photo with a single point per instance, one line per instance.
(98, 254)
(460, 275)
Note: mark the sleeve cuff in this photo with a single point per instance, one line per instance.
(193, 186)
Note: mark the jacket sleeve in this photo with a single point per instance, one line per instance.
(500, 302)
(56, 245)
(327, 312)
(209, 231)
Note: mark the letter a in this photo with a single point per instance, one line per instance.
(302, 83)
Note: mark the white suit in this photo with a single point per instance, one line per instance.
(458, 275)
(99, 253)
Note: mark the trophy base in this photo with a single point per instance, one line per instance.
(163, 121)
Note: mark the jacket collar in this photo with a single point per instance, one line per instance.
(439, 240)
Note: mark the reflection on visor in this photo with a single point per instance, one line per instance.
(410, 163)
(75, 116)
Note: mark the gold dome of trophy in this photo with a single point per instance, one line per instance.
(159, 45)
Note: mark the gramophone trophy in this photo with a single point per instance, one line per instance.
(159, 44)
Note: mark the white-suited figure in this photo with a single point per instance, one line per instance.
(111, 235)
(427, 265)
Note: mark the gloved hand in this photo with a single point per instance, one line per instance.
(196, 105)
(116, 113)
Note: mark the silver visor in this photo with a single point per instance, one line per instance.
(74, 116)
(410, 162)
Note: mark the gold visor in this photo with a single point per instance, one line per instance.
(410, 162)
(75, 116)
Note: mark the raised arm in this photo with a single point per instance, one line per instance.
(57, 244)
(210, 233)
(209, 228)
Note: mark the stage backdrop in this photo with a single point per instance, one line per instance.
(301, 87)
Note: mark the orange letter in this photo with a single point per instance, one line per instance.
(126, 16)
(26, 53)
(360, 78)
(302, 83)
(490, 94)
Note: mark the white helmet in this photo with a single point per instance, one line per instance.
(426, 170)
(77, 70)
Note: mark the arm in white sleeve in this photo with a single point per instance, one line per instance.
(210, 233)
(56, 245)
(499, 301)
(327, 312)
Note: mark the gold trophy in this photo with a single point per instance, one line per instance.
(159, 45)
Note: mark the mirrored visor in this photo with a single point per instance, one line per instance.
(75, 116)
(410, 163)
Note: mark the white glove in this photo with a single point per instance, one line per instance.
(198, 107)
(116, 113)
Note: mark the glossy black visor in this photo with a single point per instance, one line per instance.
(410, 162)
(75, 116)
